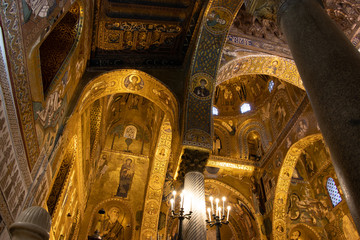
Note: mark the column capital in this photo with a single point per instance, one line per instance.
(192, 160)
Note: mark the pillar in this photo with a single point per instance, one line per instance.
(191, 169)
(329, 67)
(32, 224)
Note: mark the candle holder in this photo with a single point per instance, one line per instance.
(181, 215)
(217, 218)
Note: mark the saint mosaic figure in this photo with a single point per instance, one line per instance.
(111, 228)
(201, 90)
(126, 176)
(134, 83)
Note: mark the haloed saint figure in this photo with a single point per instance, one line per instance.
(126, 176)
(201, 90)
(111, 228)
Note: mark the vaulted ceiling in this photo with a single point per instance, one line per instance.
(139, 33)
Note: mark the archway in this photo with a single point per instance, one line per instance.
(283, 184)
(241, 199)
(244, 130)
(153, 166)
(282, 68)
(130, 81)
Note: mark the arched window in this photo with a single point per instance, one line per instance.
(130, 132)
(271, 85)
(245, 107)
(215, 111)
(333, 191)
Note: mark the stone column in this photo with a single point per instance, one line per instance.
(32, 224)
(191, 169)
(329, 67)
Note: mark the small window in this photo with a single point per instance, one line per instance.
(215, 111)
(245, 108)
(333, 192)
(130, 132)
(271, 85)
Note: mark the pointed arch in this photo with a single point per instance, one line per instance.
(130, 81)
(224, 136)
(283, 184)
(249, 205)
(281, 68)
(244, 130)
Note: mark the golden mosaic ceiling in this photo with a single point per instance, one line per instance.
(143, 33)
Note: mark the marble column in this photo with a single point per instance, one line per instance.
(32, 224)
(329, 66)
(191, 169)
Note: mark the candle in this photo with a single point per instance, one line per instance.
(174, 193)
(219, 212)
(223, 199)
(172, 204)
(212, 206)
(182, 200)
(209, 211)
(217, 204)
(228, 212)
(191, 203)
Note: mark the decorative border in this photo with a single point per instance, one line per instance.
(153, 199)
(11, 17)
(12, 118)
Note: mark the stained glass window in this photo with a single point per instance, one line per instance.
(333, 192)
(271, 85)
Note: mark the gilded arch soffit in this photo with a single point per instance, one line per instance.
(283, 184)
(130, 81)
(214, 28)
(242, 198)
(154, 192)
(281, 68)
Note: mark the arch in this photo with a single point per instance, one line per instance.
(258, 219)
(308, 231)
(130, 81)
(283, 184)
(282, 68)
(243, 132)
(198, 128)
(223, 136)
